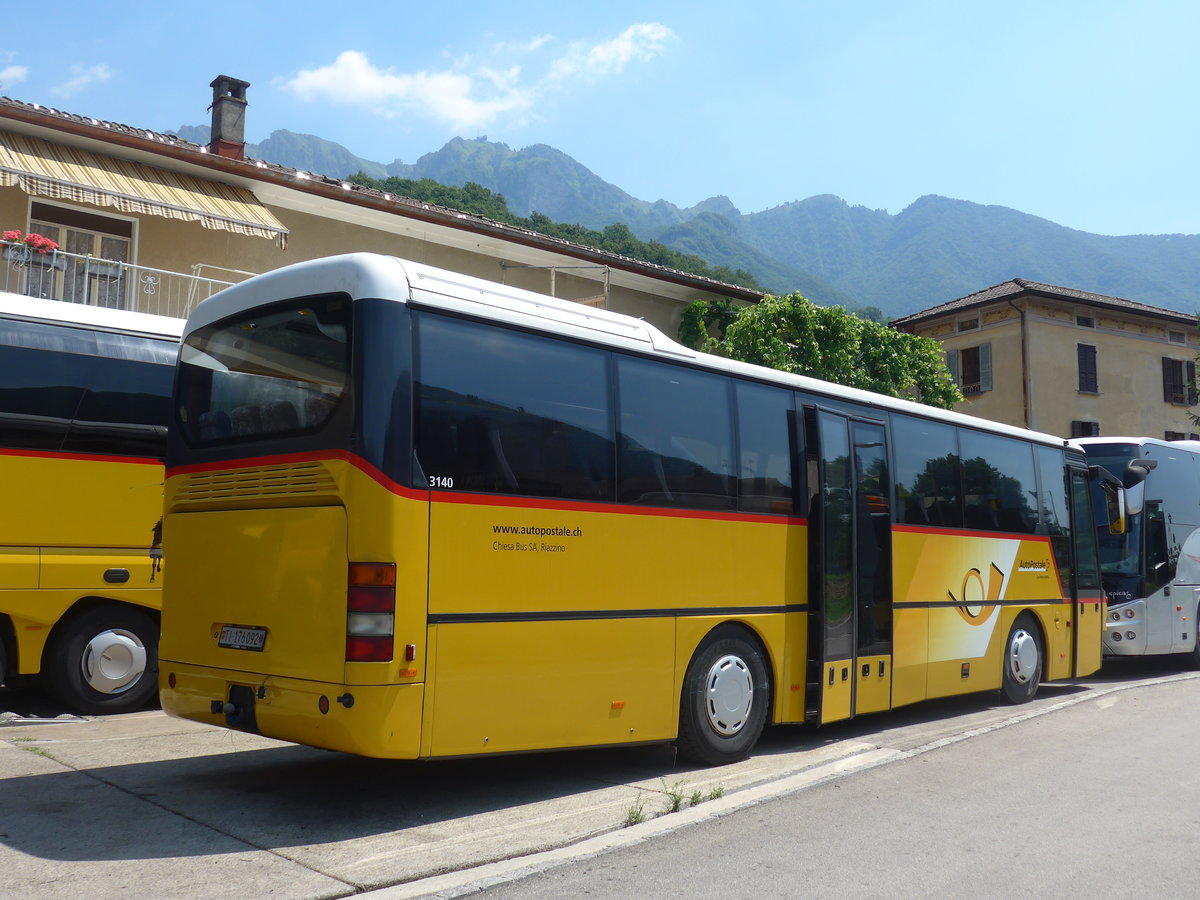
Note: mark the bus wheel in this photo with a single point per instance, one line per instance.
(725, 699)
(104, 661)
(1022, 660)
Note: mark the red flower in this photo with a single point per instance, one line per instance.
(39, 243)
(11, 236)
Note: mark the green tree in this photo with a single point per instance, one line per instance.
(792, 334)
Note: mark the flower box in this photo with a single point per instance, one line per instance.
(20, 255)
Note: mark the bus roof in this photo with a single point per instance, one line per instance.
(363, 275)
(16, 306)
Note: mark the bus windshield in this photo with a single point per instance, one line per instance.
(1121, 555)
(280, 370)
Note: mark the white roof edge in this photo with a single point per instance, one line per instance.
(38, 309)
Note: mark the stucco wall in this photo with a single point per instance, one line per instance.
(1129, 353)
(177, 246)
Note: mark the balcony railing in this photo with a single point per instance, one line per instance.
(58, 275)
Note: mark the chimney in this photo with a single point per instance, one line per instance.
(228, 136)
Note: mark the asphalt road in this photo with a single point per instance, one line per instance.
(1098, 799)
(147, 806)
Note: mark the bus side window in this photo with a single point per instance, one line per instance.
(928, 474)
(1160, 565)
(765, 448)
(500, 411)
(676, 436)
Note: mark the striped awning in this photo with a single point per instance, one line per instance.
(66, 173)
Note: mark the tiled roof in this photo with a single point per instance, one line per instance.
(1019, 286)
(174, 147)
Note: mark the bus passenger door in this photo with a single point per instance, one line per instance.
(1085, 592)
(852, 616)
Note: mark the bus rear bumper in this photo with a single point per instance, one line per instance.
(369, 720)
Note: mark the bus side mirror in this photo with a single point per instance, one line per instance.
(1114, 497)
(1135, 498)
(1135, 484)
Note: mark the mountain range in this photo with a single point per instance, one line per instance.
(935, 250)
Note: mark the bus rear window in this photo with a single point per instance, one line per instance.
(273, 371)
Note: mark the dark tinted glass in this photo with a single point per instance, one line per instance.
(676, 436)
(999, 487)
(73, 389)
(1055, 513)
(124, 409)
(1087, 563)
(764, 448)
(278, 370)
(872, 539)
(40, 394)
(508, 412)
(927, 473)
(837, 518)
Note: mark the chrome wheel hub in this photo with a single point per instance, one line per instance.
(728, 695)
(113, 661)
(1023, 657)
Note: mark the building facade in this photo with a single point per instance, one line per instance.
(1068, 362)
(151, 222)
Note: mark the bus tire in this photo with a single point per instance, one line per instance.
(104, 660)
(726, 695)
(1023, 660)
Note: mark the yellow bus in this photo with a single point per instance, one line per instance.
(415, 514)
(84, 397)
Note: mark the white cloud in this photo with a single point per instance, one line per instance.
(460, 99)
(11, 75)
(472, 93)
(81, 78)
(637, 43)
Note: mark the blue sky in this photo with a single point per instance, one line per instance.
(1084, 113)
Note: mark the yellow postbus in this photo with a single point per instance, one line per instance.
(415, 514)
(84, 397)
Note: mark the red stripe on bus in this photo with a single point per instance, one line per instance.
(251, 462)
(481, 499)
(93, 457)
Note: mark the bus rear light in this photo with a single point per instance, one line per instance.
(369, 624)
(373, 574)
(368, 649)
(370, 612)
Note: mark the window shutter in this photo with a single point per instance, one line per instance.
(985, 367)
(1168, 369)
(952, 364)
(1190, 386)
(1088, 381)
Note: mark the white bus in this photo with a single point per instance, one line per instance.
(1152, 572)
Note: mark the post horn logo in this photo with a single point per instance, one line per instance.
(977, 603)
